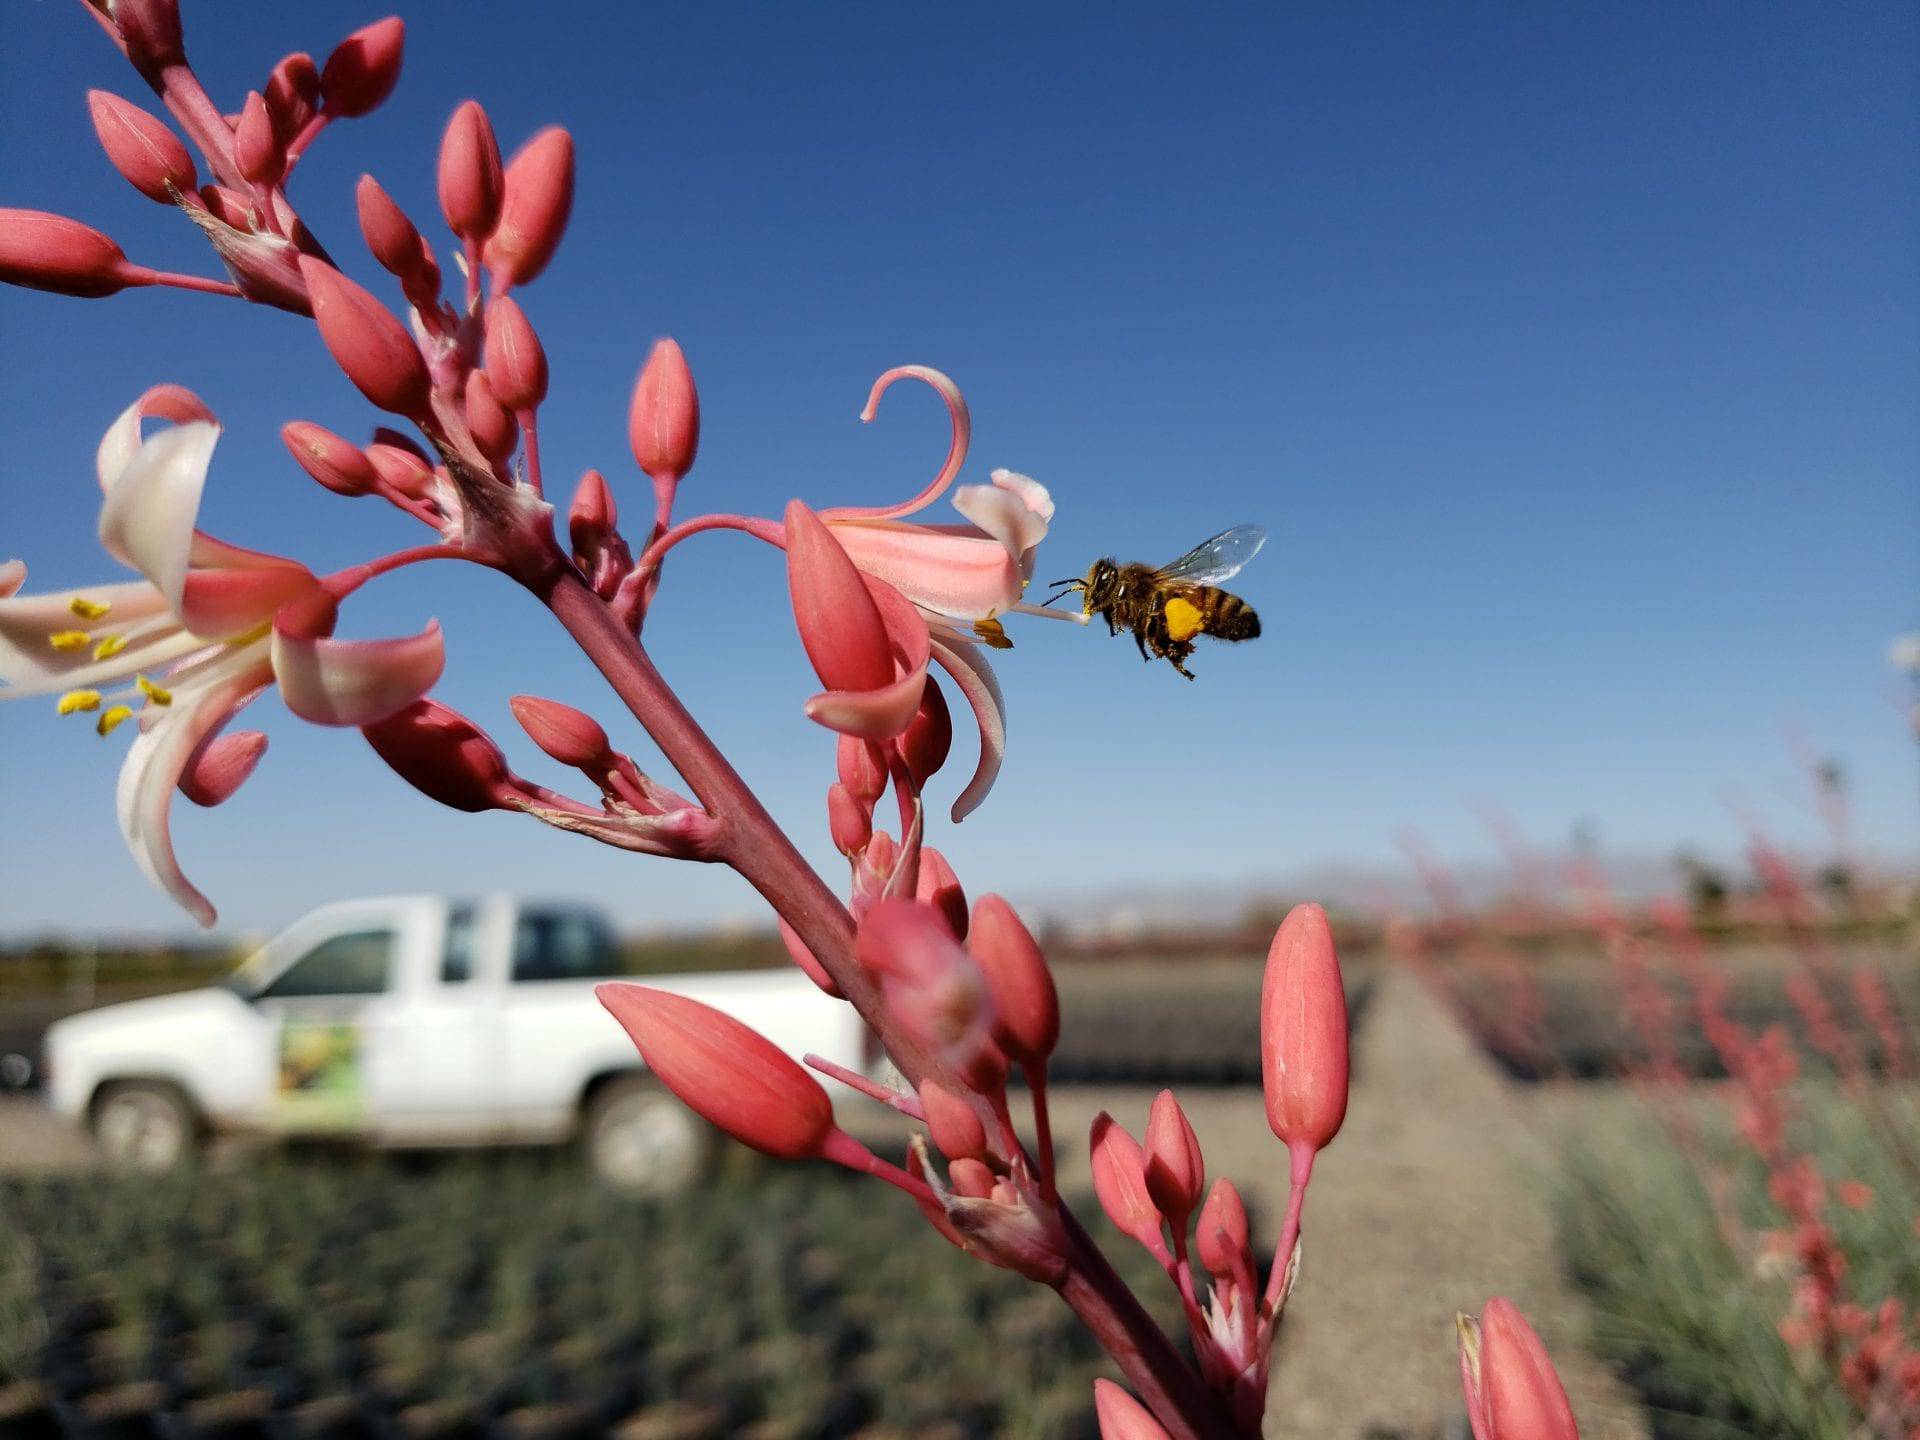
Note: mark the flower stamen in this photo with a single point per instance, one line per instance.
(67, 641)
(113, 719)
(87, 609)
(109, 646)
(76, 700)
(154, 693)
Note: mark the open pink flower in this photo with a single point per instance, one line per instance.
(184, 649)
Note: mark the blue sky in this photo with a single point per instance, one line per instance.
(1569, 355)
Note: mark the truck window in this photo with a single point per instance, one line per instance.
(360, 963)
(456, 951)
(555, 945)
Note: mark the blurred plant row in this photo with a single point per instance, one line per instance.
(508, 1296)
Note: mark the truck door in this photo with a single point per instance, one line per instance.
(448, 1037)
(329, 1015)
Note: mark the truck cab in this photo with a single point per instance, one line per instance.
(417, 1021)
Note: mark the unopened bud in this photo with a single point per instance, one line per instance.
(570, 736)
(444, 756)
(536, 201)
(338, 464)
(227, 206)
(397, 244)
(954, 1125)
(1176, 1173)
(971, 1177)
(256, 144)
(939, 887)
(839, 623)
(1121, 1416)
(293, 94)
(42, 251)
(663, 423)
(732, 1077)
(862, 766)
(1222, 1237)
(934, 989)
(470, 173)
(1511, 1388)
(366, 341)
(928, 738)
(494, 430)
(1303, 1032)
(148, 155)
(592, 516)
(400, 469)
(363, 68)
(848, 821)
(808, 962)
(1120, 1181)
(221, 766)
(1026, 1006)
(516, 361)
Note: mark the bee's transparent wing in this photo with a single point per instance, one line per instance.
(1215, 561)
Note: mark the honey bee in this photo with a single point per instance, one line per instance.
(1168, 608)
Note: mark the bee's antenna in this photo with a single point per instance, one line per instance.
(1062, 589)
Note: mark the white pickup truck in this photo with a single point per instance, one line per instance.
(418, 1021)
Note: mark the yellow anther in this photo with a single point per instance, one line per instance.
(109, 646)
(75, 700)
(993, 633)
(111, 720)
(152, 691)
(68, 640)
(88, 609)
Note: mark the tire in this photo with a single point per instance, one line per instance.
(641, 1140)
(144, 1125)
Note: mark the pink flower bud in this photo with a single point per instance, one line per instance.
(470, 176)
(400, 469)
(51, 252)
(862, 766)
(1176, 1173)
(568, 735)
(363, 68)
(971, 1177)
(366, 341)
(148, 155)
(1121, 1416)
(663, 424)
(493, 429)
(293, 94)
(848, 821)
(516, 363)
(538, 198)
(1120, 1182)
(1222, 1237)
(735, 1079)
(256, 145)
(151, 32)
(221, 766)
(1025, 1005)
(592, 516)
(1303, 1032)
(391, 237)
(805, 959)
(933, 988)
(954, 1124)
(337, 464)
(839, 624)
(444, 756)
(940, 888)
(929, 736)
(1511, 1387)
(226, 206)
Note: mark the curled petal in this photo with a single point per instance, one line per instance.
(221, 766)
(956, 448)
(154, 765)
(220, 604)
(122, 440)
(13, 574)
(355, 682)
(977, 682)
(956, 571)
(146, 521)
(886, 711)
(1014, 516)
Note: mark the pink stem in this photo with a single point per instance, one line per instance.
(308, 134)
(1299, 1172)
(141, 275)
(892, 1099)
(180, 88)
(1042, 1129)
(343, 583)
(755, 846)
(770, 531)
(842, 1149)
(526, 419)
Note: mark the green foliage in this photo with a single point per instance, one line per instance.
(1687, 1304)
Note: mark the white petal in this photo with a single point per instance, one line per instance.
(1037, 497)
(29, 665)
(1004, 514)
(147, 519)
(975, 677)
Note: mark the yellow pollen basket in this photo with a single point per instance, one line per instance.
(111, 720)
(88, 609)
(109, 646)
(152, 691)
(1184, 620)
(77, 700)
(69, 640)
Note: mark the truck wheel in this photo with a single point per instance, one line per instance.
(144, 1125)
(642, 1140)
